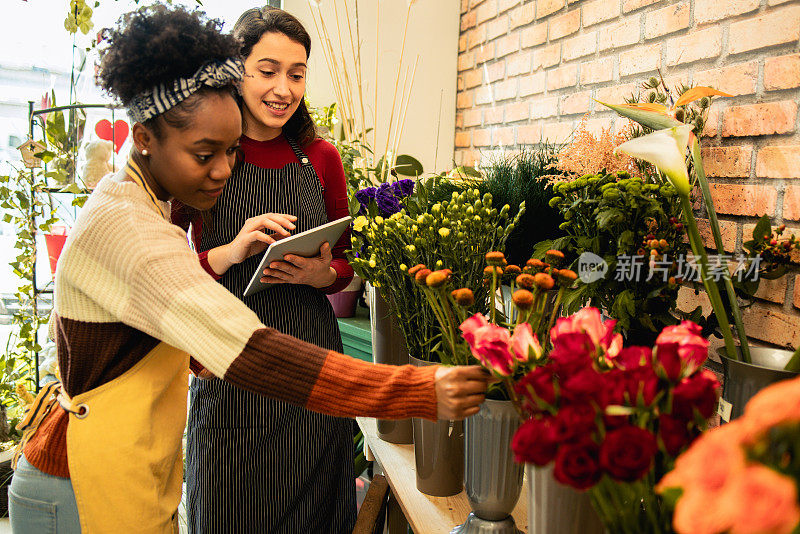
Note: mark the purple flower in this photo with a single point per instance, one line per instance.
(404, 187)
(388, 203)
(364, 196)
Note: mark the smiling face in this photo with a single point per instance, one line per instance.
(192, 164)
(273, 86)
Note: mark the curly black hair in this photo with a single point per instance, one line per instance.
(157, 44)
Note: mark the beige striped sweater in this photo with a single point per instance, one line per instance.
(127, 279)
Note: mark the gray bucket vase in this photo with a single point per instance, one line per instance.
(439, 453)
(389, 347)
(743, 380)
(553, 507)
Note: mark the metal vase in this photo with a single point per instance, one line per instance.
(553, 507)
(389, 347)
(492, 479)
(438, 453)
(741, 381)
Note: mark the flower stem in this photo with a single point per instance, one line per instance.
(712, 219)
(711, 287)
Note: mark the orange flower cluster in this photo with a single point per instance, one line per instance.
(723, 491)
(589, 154)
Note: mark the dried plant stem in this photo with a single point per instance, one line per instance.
(396, 84)
(403, 111)
(375, 107)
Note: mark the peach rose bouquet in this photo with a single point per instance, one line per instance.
(742, 477)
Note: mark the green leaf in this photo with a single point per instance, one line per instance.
(408, 166)
(650, 119)
(762, 228)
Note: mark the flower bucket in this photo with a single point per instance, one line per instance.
(55, 243)
(741, 381)
(389, 347)
(492, 479)
(553, 507)
(344, 302)
(438, 453)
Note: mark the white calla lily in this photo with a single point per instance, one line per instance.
(666, 149)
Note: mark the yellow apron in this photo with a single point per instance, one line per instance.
(124, 446)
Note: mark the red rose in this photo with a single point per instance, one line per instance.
(674, 434)
(697, 392)
(572, 351)
(642, 385)
(692, 347)
(575, 421)
(535, 441)
(582, 384)
(668, 361)
(633, 357)
(627, 453)
(577, 465)
(536, 387)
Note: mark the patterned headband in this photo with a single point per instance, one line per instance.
(164, 97)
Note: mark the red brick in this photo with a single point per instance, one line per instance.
(518, 111)
(759, 119)
(507, 45)
(752, 200)
(576, 103)
(557, 132)
(546, 7)
(772, 326)
(736, 79)
(713, 10)
(544, 107)
(534, 35)
(791, 203)
(778, 2)
(476, 36)
(468, 20)
(459, 119)
(485, 53)
(493, 116)
(497, 27)
(566, 76)
(615, 94)
(774, 27)
(778, 162)
(727, 231)
(532, 84)
(468, 157)
(797, 291)
(462, 42)
(546, 56)
(621, 34)
(597, 71)
(731, 161)
(519, 64)
(495, 71)
(579, 46)
(464, 6)
(504, 5)
(473, 78)
(486, 11)
(466, 61)
(464, 100)
(666, 20)
(484, 95)
(472, 117)
(782, 72)
(565, 24)
(522, 15)
(482, 137)
(596, 126)
(699, 44)
(630, 5)
(529, 134)
(712, 122)
(473, 3)
(772, 290)
(506, 90)
(639, 59)
(503, 137)
(463, 139)
(598, 11)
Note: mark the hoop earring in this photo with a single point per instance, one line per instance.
(145, 152)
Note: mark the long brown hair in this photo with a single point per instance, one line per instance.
(249, 29)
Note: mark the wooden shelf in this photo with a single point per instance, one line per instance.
(424, 513)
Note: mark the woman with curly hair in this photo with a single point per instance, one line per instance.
(102, 450)
(299, 475)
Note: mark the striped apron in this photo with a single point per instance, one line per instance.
(256, 464)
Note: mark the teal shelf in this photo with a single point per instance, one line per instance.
(356, 337)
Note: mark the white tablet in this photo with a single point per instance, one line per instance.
(304, 244)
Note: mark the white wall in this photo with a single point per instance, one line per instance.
(433, 33)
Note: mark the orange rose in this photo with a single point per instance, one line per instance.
(771, 406)
(761, 501)
(697, 513)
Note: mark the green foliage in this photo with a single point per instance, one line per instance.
(618, 216)
(453, 234)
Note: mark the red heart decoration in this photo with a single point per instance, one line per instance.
(119, 131)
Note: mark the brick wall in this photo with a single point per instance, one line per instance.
(529, 69)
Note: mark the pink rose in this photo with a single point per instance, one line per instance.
(692, 347)
(469, 326)
(525, 344)
(589, 321)
(490, 344)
